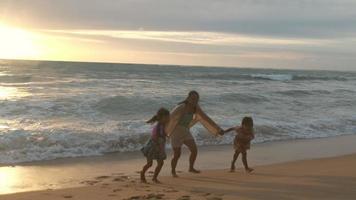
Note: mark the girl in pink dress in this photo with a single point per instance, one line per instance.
(155, 149)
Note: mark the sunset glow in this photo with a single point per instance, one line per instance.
(19, 43)
(16, 43)
(143, 46)
(246, 34)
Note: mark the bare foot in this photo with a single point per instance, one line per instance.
(174, 175)
(194, 171)
(143, 178)
(155, 180)
(232, 168)
(249, 170)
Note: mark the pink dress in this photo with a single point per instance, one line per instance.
(155, 148)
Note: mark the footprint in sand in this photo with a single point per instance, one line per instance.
(67, 196)
(170, 190)
(134, 198)
(214, 198)
(185, 197)
(117, 190)
(119, 173)
(121, 178)
(101, 177)
(117, 180)
(89, 182)
(154, 196)
(147, 197)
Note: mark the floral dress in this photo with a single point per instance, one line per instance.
(155, 149)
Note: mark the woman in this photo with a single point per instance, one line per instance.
(182, 118)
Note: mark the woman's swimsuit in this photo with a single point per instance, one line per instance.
(181, 133)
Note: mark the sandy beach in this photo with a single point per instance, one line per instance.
(328, 178)
(305, 169)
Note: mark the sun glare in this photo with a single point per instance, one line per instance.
(9, 176)
(8, 93)
(16, 43)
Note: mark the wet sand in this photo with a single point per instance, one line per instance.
(115, 175)
(327, 178)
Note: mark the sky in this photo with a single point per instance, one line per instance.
(293, 34)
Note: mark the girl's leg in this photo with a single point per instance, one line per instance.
(193, 155)
(176, 156)
(244, 161)
(157, 170)
(144, 169)
(236, 155)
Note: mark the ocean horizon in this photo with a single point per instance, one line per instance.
(175, 65)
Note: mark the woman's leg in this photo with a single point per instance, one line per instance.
(144, 169)
(236, 155)
(157, 170)
(176, 156)
(193, 154)
(244, 161)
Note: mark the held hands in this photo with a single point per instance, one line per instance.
(222, 132)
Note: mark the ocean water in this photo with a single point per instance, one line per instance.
(52, 110)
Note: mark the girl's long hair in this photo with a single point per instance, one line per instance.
(247, 121)
(192, 92)
(162, 112)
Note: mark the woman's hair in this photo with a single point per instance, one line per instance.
(162, 112)
(192, 92)
(247, 121)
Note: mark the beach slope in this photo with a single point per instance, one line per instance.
(326, 178)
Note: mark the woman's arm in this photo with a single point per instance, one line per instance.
(174, 119)
(207, 122)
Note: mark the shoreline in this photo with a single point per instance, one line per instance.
(323, 178)
(72, 172)
(129, 155)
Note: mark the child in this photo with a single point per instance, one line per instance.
(242, 141)
(155, 148)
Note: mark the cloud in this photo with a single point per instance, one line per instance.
(208, 38)
(273, 18)
(246, 33)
